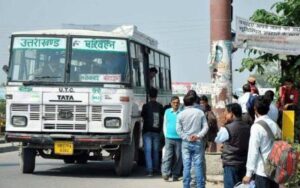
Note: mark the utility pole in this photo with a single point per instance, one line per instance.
(220, 55)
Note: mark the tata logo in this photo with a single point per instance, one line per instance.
(65, 97)
(65, 114)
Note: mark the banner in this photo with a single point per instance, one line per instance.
(113, 45)
(267, 38)
(39, 43)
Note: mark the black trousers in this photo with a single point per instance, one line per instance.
(264, 182)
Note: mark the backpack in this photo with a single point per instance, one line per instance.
(281, 163)
(250, 105)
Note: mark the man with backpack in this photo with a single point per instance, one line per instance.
(260, 145)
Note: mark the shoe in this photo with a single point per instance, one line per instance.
(150, 174)
(165, 177)
(175, 178)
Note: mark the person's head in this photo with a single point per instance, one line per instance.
(232, 111)
(188, 100)
(251, 80)
(246, 88)
(261, 106)
(153, 93)
(194, 95)
(175, 102)
(203, 100)
(152, 72)
(269, 96)
(289, 83)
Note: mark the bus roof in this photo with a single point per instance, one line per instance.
(125, 31)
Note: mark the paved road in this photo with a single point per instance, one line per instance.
(56, 174)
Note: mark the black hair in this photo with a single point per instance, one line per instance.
(194, 95)
(188, 100)
(246, 88)
(290, 80)
(153, 92)
(261, 105)
(153, 69)
(174, 98)
(203, 98)
(269, 96)
(234, 108)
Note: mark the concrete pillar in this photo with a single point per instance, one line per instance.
(220, 55)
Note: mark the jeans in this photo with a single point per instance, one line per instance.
(264, 182)
(193, 175)
(151, 149)
(192, 152)
(233, 175)
(172, 148)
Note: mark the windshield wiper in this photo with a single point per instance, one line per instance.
(44, 77)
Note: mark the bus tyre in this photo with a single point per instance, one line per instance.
(124, 163)
(27, 160)
(82, 159)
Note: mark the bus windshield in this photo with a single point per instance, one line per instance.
(38, 59)
(100, 60)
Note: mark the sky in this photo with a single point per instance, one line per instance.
(182, 28)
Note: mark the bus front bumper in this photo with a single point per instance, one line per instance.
(46, 141)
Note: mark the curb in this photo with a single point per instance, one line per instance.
(214, 179)
(8, 149)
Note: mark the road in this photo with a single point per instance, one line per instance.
(56, 174)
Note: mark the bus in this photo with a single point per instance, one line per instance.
(77, 94)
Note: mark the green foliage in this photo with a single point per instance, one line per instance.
(2, 107)
(286, 13)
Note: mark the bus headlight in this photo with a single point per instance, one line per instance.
(19, 121)
(112, 122)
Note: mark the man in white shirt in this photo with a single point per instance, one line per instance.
(243, 100)
(260, 146)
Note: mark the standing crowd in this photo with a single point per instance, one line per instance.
(191, 129)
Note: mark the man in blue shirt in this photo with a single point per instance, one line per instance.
(172, 143)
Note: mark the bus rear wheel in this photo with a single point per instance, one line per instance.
(124, 162)
(27, 160)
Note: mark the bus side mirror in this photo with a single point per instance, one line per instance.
(5, 68)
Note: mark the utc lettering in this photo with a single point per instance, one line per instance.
(66, 90)
(65, 97)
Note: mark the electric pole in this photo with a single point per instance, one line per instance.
(220, 55)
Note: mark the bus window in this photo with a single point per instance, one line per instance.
(157, 64)
(151, 59)
(140, 57)
(132, 50)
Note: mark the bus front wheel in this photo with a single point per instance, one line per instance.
(124, 161)
(27, 160)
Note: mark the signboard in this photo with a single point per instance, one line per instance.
(181, 88)
(268, 38)
(288, 125)
(100, 78)
(39, 43)
(113, 45)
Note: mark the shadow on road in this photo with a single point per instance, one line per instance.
(91, 170)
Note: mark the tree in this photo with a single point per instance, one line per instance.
(286, 14)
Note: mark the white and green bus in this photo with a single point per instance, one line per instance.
(76, 95)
